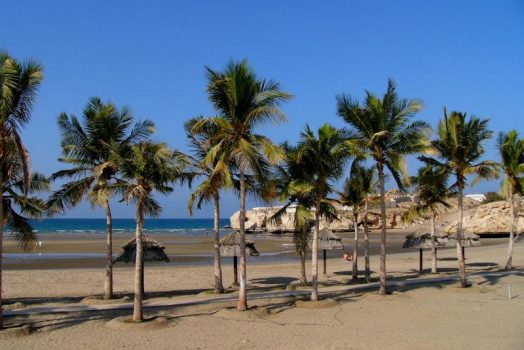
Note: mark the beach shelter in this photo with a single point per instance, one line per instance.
(422, 240)
(153, 251)
(469, 239)
(327, 240)
(230, 246)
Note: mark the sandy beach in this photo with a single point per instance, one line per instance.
(430, 316)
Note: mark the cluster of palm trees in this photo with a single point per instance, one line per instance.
(108, 154)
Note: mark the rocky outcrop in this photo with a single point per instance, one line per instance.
(491, 218)
(259, 220)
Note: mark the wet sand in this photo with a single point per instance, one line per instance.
(62, 251)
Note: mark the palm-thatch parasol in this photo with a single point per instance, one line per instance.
(152, 251)
(230, 246)
(469, 239)
(422, 240)
(327, 240)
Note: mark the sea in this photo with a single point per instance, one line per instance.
(124, 226)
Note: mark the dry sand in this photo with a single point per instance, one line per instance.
(431, 316)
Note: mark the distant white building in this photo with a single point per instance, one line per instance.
(479, 197)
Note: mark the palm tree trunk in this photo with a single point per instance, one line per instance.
(1, 222)
(302, 273)
(137, 311)
(314, 254)
(354, 275)
(460, 253)
(433, 245)
(219, 288)
(367, 272)
(512, 231)
(383, 286)
(108, 286)
(242, 293)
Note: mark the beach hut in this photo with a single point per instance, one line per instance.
(153, 251)
(422, 240)
(230, 246)
(327, 240)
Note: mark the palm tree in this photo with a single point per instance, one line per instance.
(217, 177)
(355, 192)
(19, 82)
(146, 167)
(432, 192)
(384, 130)
(86, 148)
(458, 150)
(294, 188)
(244, 102)
(15, 196)
(323, 157)
(511, 149)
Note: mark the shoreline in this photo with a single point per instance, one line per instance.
(62, 251)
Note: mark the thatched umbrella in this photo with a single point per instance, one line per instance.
(422, 240)
(153, 251)
(230, 246)
(469, 239)
(328, 240)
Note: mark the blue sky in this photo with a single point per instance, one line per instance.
(465, 55)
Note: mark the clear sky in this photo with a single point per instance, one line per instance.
(150, 55)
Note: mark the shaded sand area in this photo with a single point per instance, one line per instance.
(430, 316)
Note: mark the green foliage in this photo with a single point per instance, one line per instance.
(147, 167)
(243, 101)
(358, 186)
(432, 191)
(383, 128)
(19, 83)
(216, 175)
(511, 149)
(18, 205)
(87, 147)
(459, 148)
(323, 157)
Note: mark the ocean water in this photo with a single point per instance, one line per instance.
(85, 226)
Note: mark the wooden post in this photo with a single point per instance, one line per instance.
(420, 268)
(325, 269)
(235, 270)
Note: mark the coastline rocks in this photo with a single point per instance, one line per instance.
(259, 220)
(490, 218)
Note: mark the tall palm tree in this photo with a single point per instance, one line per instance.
(217, 176)
(385, 130)
(323, 156)
(458, 149)
(511, 149)
(86, 149)
(355, 194)
(245, 102)
(431, 186)
(146, 167)
(19, 82)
